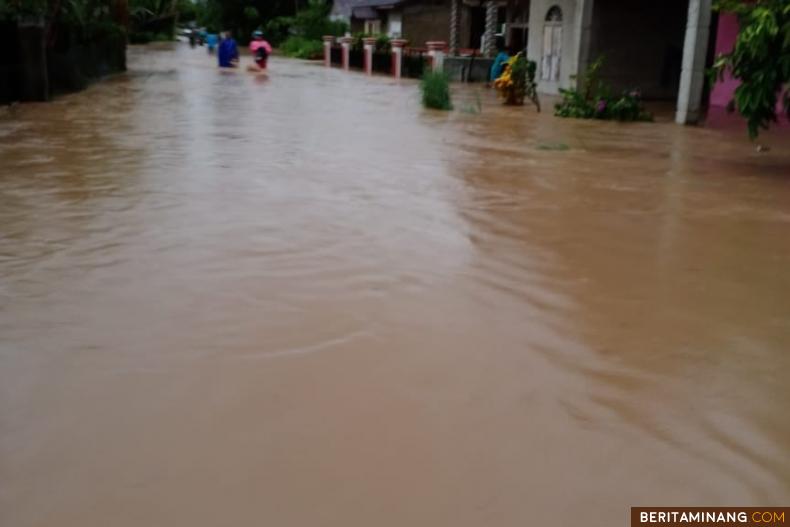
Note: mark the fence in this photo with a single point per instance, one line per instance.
(415, 61)
(413, 64)
(70, 62)
(382, 62)
(336, 55)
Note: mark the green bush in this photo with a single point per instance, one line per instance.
(435, 87)
(594, 100)
(278, 29)
(311, 23)
(302, 48)
(383, 43)
(141, 37)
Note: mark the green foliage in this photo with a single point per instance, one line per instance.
(141, 37)
(12, 9)
(232, 15)
(760, 60)
(278, 29)
(435, 88)
(517, 81)
(311, 23)
(251, 14)
(383, 43)
(594, 100)
(188, 11)
(302, 48)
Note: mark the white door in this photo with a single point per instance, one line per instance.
(552, 52)
(552, 46)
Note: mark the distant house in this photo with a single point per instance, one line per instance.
(370, 16)
(418, 21)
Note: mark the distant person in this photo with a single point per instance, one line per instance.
(228, 52)
(192, 38)
(499, 61)
(212, 39)
(260, 50)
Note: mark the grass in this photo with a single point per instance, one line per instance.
(435, 87)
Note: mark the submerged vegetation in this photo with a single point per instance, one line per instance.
(596, 100)
(435, 88)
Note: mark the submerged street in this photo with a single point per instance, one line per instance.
(303, 300)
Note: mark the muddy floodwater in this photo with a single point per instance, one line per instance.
(302, 300)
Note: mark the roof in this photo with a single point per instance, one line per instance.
(362, 8)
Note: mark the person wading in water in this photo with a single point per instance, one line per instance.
(228, 52)
(260, 52)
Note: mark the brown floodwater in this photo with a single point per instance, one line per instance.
(303, 300)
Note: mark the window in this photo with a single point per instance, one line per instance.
(372, 27)
(554, 14)
(552, 46)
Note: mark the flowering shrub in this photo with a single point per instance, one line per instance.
(594, 100)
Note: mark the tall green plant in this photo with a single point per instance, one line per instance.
(760, 60)
(435, 87)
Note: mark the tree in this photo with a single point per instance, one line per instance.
(760, 60)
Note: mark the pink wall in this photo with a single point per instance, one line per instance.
(725, 40)
(722, 92)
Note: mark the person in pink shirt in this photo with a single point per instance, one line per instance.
(260, 50)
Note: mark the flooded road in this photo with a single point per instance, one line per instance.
(303, 300)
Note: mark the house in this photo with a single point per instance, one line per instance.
(661, 48)
(374, 17)
(418, 21)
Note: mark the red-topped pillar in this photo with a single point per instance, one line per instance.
(397, 56)
(436, 50)
(369, 44)
(328, 41)
(345, 43)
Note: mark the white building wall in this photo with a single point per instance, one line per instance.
(572, 34)
(394, 24)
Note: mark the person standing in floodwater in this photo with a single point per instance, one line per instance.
(499, 61)
(212, 39)
(260, 50)
(228, 52)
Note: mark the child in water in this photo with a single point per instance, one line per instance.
(260, 50)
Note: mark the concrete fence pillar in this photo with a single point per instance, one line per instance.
(695, 49)
(397, 56)
(328, 41)
(436, 50)
(369, 44)
(455, 26)
(345, 43)
(489, 44)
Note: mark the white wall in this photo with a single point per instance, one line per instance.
(570, 41)
(394, 24)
